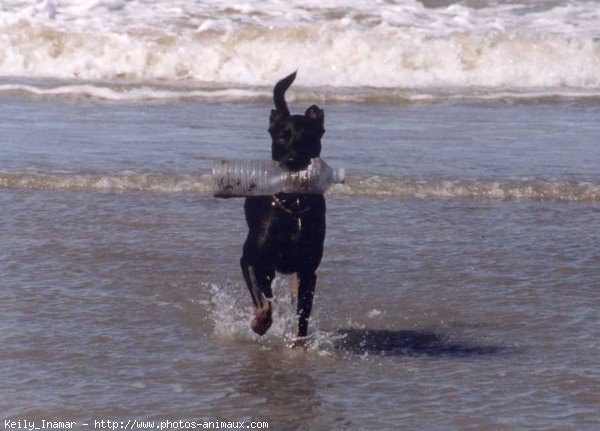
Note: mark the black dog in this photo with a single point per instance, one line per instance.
(286, 230)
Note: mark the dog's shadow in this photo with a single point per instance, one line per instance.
(387, 342)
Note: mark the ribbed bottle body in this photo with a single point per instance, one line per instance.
(238, 178)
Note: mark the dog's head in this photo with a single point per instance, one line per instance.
(295, 138)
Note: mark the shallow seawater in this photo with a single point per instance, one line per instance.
(450, 312)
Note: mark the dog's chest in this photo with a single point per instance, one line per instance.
(291, 213)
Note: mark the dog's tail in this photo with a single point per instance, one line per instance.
(279, 93)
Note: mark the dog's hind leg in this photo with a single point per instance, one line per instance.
(306, 292)
(258, 279)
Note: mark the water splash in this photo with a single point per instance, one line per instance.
(231, 313)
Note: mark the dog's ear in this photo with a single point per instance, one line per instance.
(275, 118)
(316, 114)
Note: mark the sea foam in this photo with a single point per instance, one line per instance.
(386, 187)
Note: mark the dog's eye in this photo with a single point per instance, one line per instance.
(284, 136)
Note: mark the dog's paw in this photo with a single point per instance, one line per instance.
(260, 326)
(300, 343)
(262, 320)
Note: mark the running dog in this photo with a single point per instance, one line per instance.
(286, 231)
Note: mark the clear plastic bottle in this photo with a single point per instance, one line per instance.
(237, 178)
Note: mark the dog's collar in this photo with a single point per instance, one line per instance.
(293, 210)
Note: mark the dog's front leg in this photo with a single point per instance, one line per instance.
(259, 281)
(306, 292)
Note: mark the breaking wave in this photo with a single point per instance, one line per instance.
(122, 182)
(119, 50)
(385, 187)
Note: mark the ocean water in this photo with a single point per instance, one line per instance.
(459, 287)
